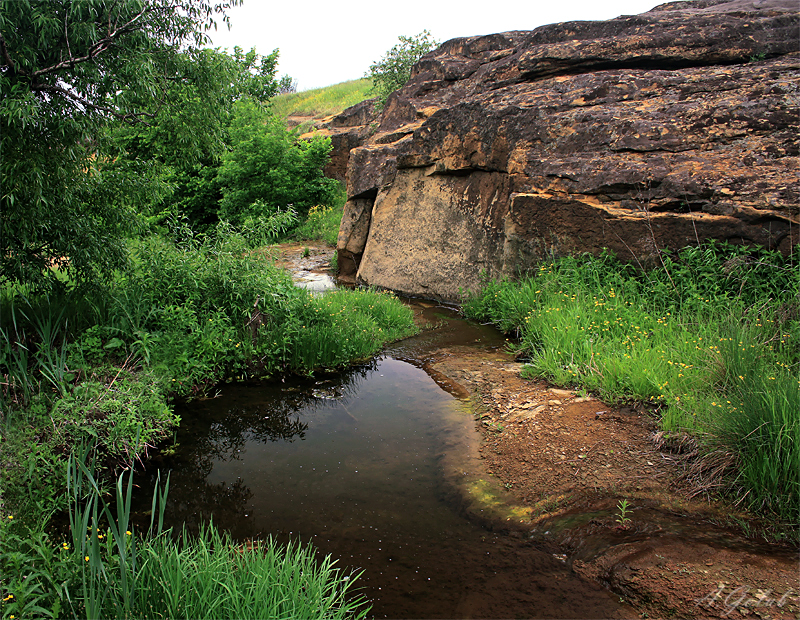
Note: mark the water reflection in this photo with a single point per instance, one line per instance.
(217, 431)
(352, 463)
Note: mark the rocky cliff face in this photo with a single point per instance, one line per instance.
(636, 134)
(347, 130)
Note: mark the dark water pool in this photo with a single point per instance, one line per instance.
(354, 463)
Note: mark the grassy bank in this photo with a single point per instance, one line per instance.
(101, 367)
(321, 102)
(322, 224)
(711, 338)
(104, 364)
(107, 569)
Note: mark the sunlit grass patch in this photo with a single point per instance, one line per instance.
(321, 224)
(321, 102)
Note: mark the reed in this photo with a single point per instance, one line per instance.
(108, 570)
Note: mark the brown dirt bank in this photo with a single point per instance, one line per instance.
(571, 458)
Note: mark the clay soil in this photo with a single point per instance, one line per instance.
(570, 458)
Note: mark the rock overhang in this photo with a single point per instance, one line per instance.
(636, 134)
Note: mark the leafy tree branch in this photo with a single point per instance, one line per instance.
(68, 70)
(394, 69)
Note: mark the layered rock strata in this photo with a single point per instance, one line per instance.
(635, 134)
(347, 130)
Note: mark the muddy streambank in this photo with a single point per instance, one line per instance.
(566, 460)
(552, 465)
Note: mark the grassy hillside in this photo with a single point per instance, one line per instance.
(322, 102)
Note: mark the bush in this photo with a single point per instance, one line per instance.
(268, 169)
(188, 314)
(394, 69)
(260, 231)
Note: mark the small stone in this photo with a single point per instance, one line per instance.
(553, 402)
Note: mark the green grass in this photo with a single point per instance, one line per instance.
(322, 102)
(208, 576)
(346, 325)
(712, 340)
(322, 224)
(106, 569)
(104, 365)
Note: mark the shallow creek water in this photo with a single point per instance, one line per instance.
(356, 463)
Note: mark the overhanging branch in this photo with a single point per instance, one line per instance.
(128, 117)
(6, 57)
(96, 48)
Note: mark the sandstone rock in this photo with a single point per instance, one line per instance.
(635, 134)
(347, 130)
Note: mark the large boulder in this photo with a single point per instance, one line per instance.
(636, 134)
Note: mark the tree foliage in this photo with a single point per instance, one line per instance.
(67, 69)
(394, 69)
(268, 169)
(221, 151)
(198, 104)
(185, 147)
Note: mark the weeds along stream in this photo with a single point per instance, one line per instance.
(377, 466)
(353, 463)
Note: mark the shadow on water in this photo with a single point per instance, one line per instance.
(354, 462)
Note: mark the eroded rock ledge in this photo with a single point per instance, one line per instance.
(636, 134)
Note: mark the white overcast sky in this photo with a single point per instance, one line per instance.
(324, 43)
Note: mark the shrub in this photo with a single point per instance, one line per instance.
(188, 314)
(394, 69)
(268, 169)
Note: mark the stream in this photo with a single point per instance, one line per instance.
(360, 464)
